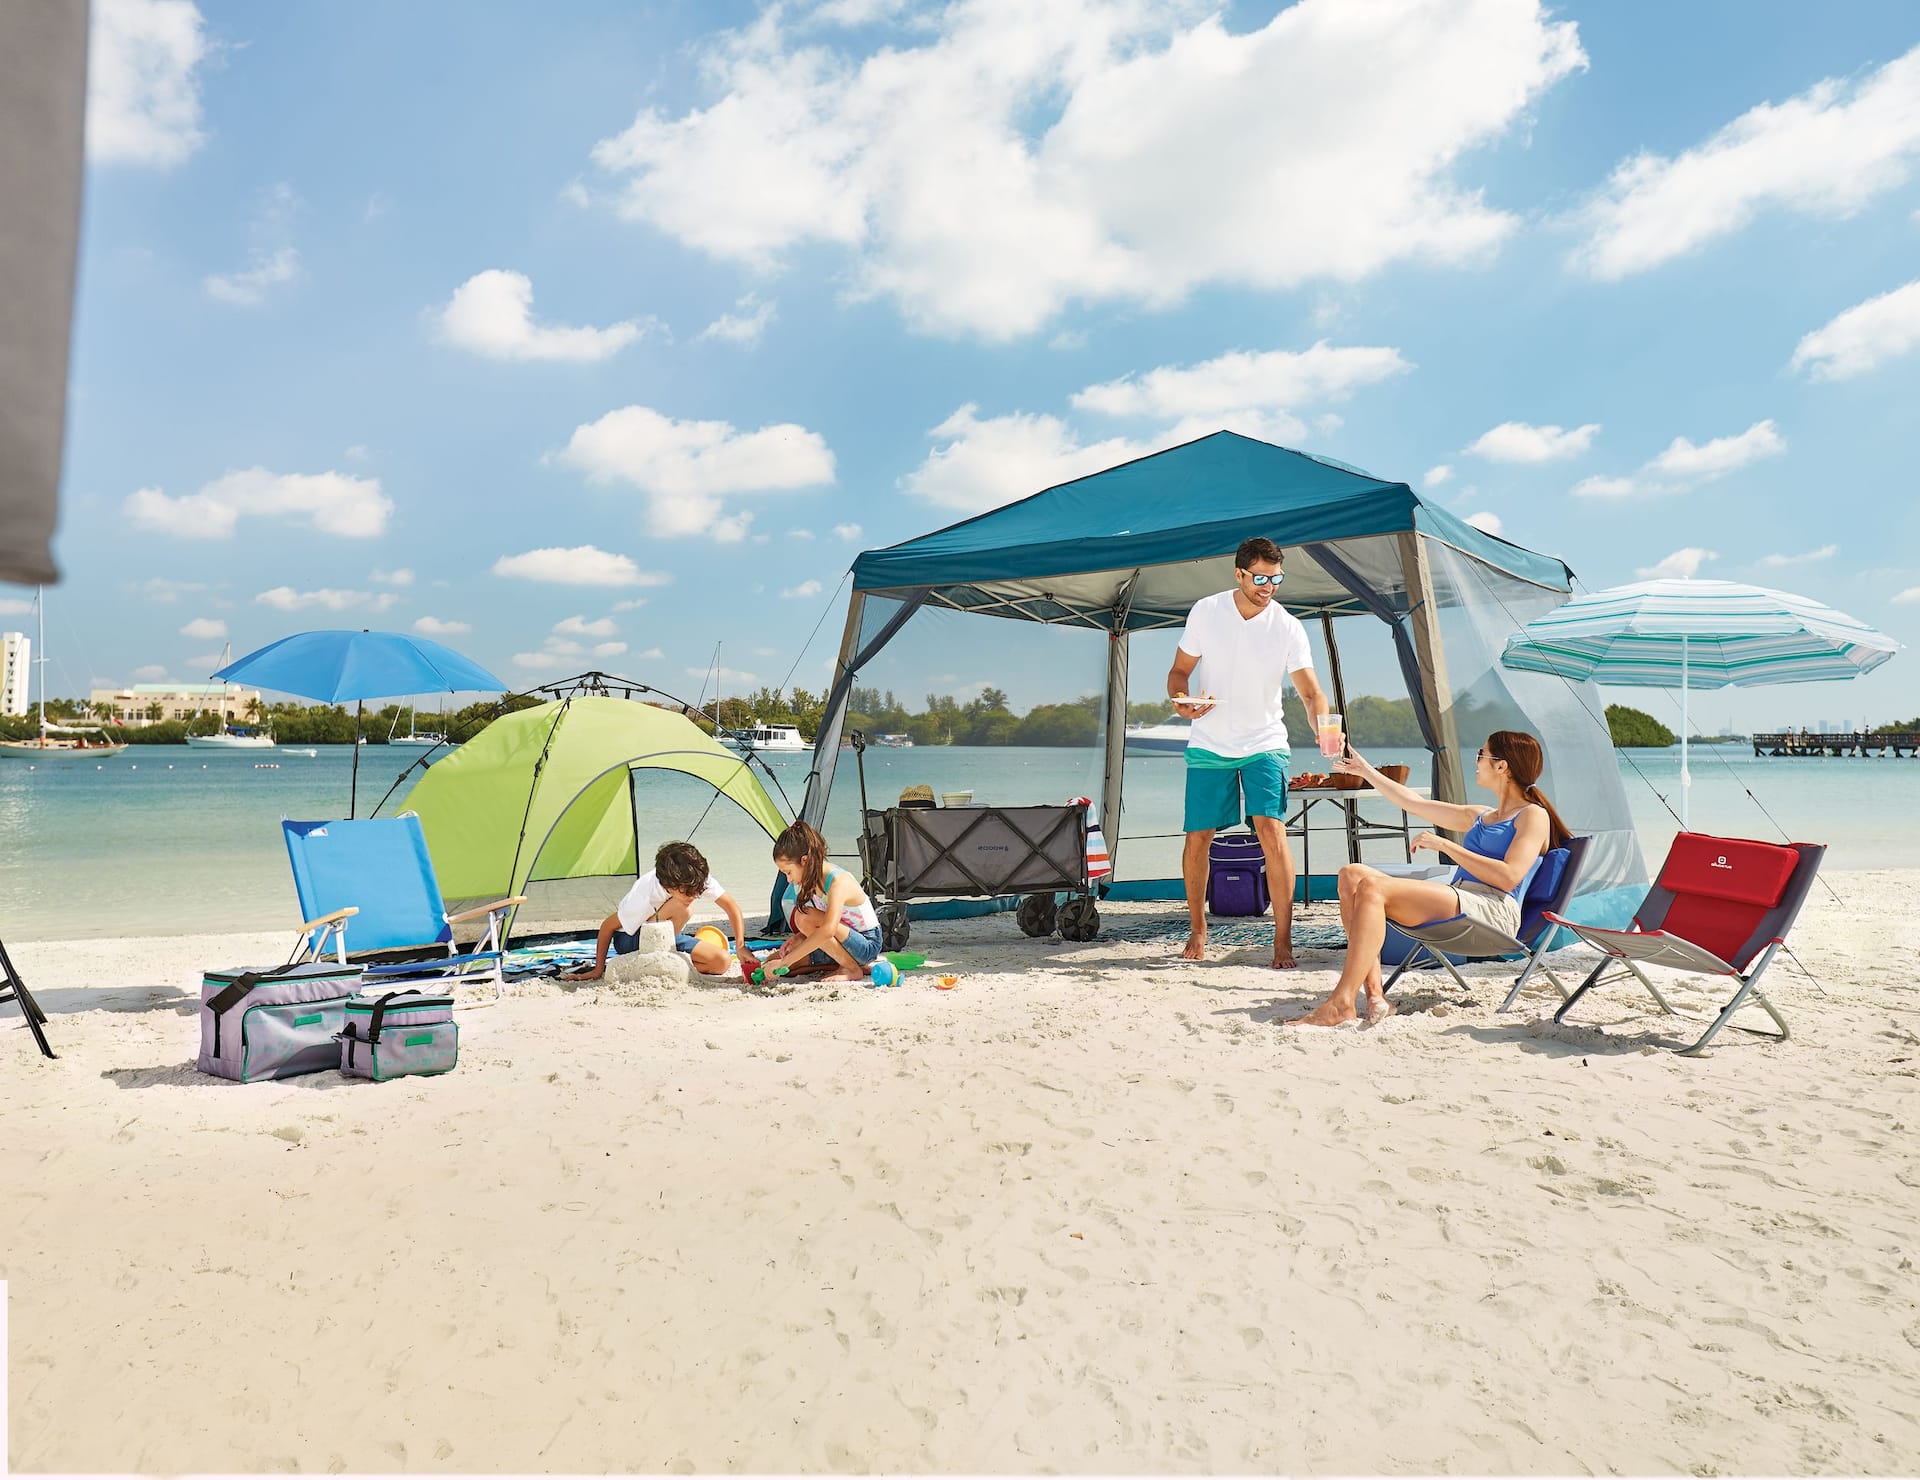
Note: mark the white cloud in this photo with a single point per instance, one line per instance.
(400, 577)
(491, 314)
(333, 503)
(1908, 597)
(435, 627)
(1241, 381)
(150, 673)
(582, 565)
(581, 627)
(143, 88)
(632, 605)
(541, 660)
(1722, 455)
(1517, 442)
(204, 627)
(13, 606)
(804, 590)
(800, 534)
(574, 193)
(1826, 152)
(1488, 523)
(651, 653)
(1328, 422)
(856, 12)
(724, 675)
(1013, 158)
(848, 532)
(988, 463)
(1863, 338)
(1436, 476)
(732, 529)
(249, 289)
(686, 467)
(286, 599)
(744, 327)
(1825, 552)
(165, 592)
(609, 649)
(206, 663)
(1681, 564)
(1684, 464)
(357, 452)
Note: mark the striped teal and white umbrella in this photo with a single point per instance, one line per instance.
(1689, 635)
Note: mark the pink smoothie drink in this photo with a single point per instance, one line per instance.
(1332, 741)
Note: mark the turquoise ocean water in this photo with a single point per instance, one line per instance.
(166, 840)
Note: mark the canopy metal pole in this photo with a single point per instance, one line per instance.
(1340, 707)
(1423, 616)
(1686, 776)
(1115, 763)
(353, 796)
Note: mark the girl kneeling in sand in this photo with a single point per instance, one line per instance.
(833, 922)
(1496, 858)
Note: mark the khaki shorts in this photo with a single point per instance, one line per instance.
(1489, 906)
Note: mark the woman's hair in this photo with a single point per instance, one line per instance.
(1525, 760)
(680, 867)
(803, 845)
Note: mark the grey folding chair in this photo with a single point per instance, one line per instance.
(1721, 906)
(1551, 890)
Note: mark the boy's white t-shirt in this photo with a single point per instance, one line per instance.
(640, 903)
(1244, 664)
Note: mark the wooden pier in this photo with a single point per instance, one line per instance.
(1897, 743)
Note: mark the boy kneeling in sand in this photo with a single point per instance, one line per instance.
(679, 877)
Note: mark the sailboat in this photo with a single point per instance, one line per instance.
(230, 736)
(413, 737)
(57, 740)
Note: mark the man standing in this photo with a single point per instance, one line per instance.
(1236, 654)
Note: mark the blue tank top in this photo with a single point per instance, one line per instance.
(1492, 840)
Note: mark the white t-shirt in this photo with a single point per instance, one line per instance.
(642, 902)
(1244, 664)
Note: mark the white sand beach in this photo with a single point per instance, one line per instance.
(1093, 1210)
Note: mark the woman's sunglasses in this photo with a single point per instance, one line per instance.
(1273, 580)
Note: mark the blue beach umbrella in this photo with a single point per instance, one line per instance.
(1687, 635)
(333, 667)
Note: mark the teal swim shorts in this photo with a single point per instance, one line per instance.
(1224, 789)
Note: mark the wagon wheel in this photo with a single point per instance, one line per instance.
(894, 927)
(1037, 914)
(1079, 918)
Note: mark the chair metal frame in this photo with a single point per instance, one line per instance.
(1645, 942)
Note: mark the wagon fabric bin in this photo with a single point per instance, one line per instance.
(273, 1022)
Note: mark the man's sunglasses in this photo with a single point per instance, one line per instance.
(1273, 580)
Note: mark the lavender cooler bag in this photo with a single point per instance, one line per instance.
(1236, 875)
(406, 1031)
(274, 1022)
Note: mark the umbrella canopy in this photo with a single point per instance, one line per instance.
(1689, 635)
(334, 667)
(547, 793)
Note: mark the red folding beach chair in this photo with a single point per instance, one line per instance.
(1720, 905)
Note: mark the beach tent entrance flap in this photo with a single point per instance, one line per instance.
(546, 793)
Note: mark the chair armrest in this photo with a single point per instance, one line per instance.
(333, 919)
(485, 909)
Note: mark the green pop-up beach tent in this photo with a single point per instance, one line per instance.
(548, 792)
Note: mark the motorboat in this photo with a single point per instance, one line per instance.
(1168, 737)
(233, 737)
(764, 738)
(413, 738)
(895, 742)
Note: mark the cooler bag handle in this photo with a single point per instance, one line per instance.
(229, 995)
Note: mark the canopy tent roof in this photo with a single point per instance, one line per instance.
(547, 793)
(1160, 531)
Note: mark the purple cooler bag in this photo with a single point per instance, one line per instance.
(272, 1023)
(1236, 875)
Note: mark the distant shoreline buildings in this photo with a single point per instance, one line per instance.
(135, 703)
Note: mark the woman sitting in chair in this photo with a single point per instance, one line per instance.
(1496, 857)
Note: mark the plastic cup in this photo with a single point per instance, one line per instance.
(1332, 741)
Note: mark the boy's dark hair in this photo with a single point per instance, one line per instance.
(1257, 548)
(680, 867)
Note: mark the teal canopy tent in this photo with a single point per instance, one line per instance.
(1133, 547)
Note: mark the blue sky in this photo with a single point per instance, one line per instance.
(548, 333)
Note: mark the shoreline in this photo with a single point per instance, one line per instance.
(1094, 1210)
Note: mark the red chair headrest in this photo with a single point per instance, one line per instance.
(1737, 869)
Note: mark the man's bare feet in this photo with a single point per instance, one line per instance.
(1196, 947)
(1329, 1014)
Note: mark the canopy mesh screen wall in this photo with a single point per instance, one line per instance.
(1133, 547)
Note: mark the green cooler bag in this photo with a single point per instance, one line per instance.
(405, 1031)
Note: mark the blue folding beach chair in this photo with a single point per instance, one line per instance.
(1443, 942)
(376, 875)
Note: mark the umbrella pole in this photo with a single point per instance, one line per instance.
(1686, 776)
(353, 796)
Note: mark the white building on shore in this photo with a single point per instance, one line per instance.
(16, 663)
(134, 704)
